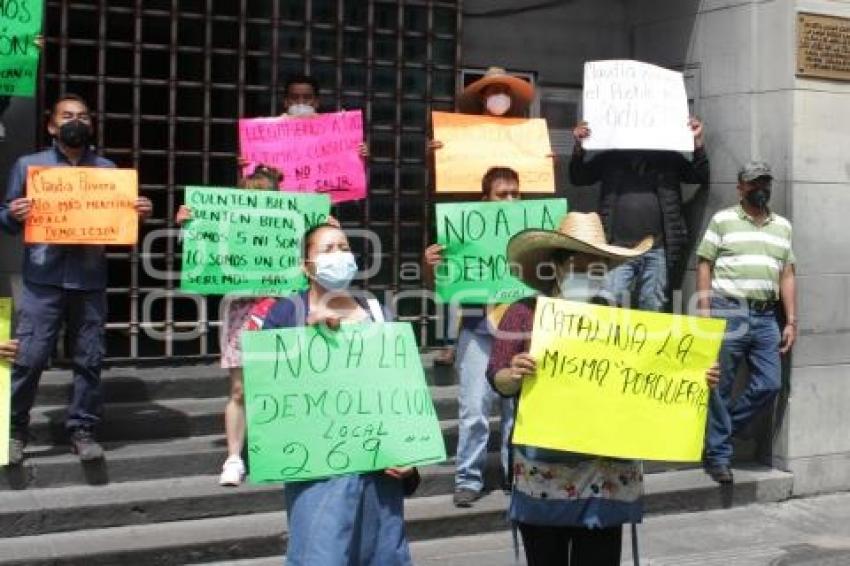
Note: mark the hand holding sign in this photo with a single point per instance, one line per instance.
(472, 238)
(246, 241)
(470, 145)
(20, 22)
(617, 382)
(323, 403)
(318, 154)
(634, 105)
(5, 376)
(81, 205)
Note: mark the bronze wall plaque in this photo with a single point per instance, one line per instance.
(823, 46)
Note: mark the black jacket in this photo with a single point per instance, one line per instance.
(671, 170)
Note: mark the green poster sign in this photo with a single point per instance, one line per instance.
(323, 403)
(245, 241)
(475, 237)
(20, 23)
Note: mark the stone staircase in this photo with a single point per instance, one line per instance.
(155, 499)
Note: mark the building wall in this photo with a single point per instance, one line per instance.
(743, 55)
(554, 42)
(755, 108)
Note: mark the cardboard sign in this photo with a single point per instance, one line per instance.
(82, 205)
(475, 237)
(617, 382)
(634, 105)
(323, 403)
(317, 154)
(474, 144)
(5, 380)
(20, 23)
(247, 241)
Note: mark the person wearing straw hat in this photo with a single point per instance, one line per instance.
(497, 93)
(568, 507)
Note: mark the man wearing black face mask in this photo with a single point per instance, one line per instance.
(60, 283)
(745, 272)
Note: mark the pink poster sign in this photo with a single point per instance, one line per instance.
(318, 154)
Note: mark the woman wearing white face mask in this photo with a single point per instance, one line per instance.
(497, 93)
(357, 519)
(569, 507)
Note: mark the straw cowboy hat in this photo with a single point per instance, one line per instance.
(521, 91)
(578, 232)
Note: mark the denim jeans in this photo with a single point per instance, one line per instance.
(647, 274)
(476, 400)
(352, 520)
(40, 314)
(754, 336)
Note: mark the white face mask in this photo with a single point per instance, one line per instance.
(300, 110)
(335, 270)
(498, 104)
(579, 287)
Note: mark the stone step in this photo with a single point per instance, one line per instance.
(138, 384)
(78, 507)
(173, 418)
(222, 538)
(262, 534)
(54, 466)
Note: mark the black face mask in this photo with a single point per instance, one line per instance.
(74, 134)
(758, 197)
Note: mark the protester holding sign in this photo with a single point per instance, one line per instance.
(301, 100)
(569, 507)
(236, 313)
(745, 270)
(497, 94)
(641, 195)
(475, 398)
(60, 282)
(356, 519)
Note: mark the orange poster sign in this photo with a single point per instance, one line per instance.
(82, 205)
(472, 144)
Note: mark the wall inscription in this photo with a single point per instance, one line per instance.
(823, 46)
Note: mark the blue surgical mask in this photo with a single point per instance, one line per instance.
(335, 270)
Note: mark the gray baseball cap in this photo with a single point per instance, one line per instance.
(753, 170)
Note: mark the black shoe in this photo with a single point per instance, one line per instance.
(464, 497)
(721, 474)
(85, 446)
(16, 450)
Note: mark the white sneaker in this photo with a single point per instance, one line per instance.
(232, 472)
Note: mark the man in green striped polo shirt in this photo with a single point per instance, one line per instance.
(744, 273)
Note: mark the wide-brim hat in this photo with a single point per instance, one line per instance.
(521, 91)
(578, 232)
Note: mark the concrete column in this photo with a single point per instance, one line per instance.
(815, 440)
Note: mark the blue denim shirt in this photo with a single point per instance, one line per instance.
(66, 266)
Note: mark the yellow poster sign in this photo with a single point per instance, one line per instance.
(5, 380)
(618, 382)
(473, 144)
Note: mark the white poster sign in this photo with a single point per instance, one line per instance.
(634, 105)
